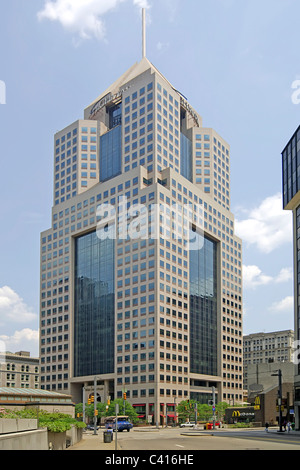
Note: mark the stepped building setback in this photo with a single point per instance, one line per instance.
(141, 270)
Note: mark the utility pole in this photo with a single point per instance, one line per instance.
(83, 404)
(116, 427)
(279, 375)
(196, 413)
(214, 407)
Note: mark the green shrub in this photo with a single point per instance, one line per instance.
(54, 422)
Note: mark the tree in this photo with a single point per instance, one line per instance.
(220, 410)
(102, 412)
(129, 409)
(186, 410)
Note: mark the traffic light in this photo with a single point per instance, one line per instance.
(92, 398)
(124, 396)
(89, 401)
(108, 402)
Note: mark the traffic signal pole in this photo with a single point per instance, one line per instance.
(124, 403)
(280, 399)
(214, 408)
(95, 406)
(83, 405)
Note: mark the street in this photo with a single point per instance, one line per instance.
(176, 440)
(179, 439)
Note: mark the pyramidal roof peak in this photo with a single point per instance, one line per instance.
(134, 71)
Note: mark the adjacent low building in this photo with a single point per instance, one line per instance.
(19, 370)
(20, 398)
(265, 348)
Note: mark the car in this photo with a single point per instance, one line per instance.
(124, 423)
(188, 425)
(91, 427)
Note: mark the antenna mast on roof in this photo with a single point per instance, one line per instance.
(144, 32)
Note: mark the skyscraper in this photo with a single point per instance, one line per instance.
(141, 270)
(291, 201)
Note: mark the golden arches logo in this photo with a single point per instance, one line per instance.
(257, 403)
(236, 414)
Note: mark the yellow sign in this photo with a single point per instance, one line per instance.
(236, 414)
(257, 403)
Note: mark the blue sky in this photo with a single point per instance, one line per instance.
(235, 61)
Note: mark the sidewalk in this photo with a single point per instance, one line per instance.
(92, 442)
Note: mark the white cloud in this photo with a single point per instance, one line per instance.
(23, 340)
(286, 274)
(284, 305)
(267, 226)
(83, 17)
(254, 277)
(13, 308)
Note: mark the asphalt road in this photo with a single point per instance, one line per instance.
(185, 440)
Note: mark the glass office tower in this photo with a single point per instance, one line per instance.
(126, 297)
(291, 201)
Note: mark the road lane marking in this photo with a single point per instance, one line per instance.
(177, 445)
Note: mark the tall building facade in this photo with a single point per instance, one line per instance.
(291, 201)
(141, 270)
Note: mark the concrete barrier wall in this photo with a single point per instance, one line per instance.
(28, 440)
(22, 434)
(73, 436)
(17, 425)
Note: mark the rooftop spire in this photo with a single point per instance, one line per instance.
(144, 32)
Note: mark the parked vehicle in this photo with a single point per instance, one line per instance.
(124, 423)
(188, 425)
(91, 427)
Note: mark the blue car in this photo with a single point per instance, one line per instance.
(124, 423)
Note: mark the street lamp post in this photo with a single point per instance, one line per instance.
(175, 411)
(214, 407)
(279, 375)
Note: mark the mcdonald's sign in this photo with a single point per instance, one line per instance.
(257, 403)
(236, 414)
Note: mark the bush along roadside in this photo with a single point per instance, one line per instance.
(54, 422)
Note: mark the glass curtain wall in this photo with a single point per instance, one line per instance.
(94, 318)
(203, 307)
(186, 156)
(111, 154)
